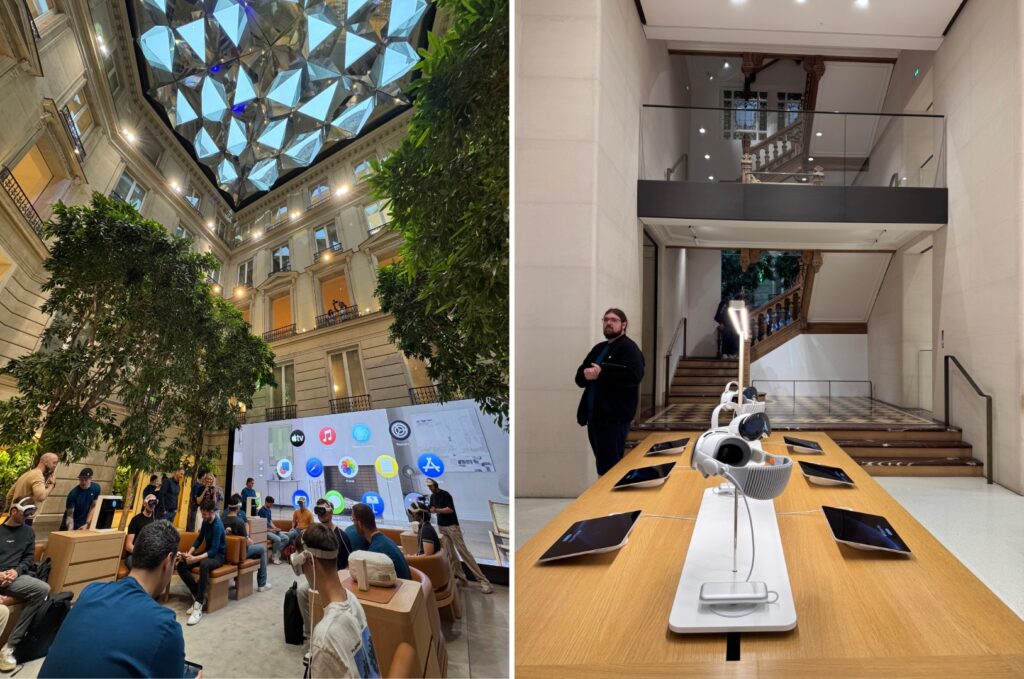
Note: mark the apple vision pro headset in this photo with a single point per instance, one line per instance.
(735, 452)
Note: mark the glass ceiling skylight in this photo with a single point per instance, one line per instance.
(259, 88)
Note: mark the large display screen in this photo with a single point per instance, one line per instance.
(381, 458)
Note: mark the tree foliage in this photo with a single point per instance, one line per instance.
(14, 461)
(781, 267)
(133, 322)
(447, 185)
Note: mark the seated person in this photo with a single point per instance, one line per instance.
(341, 645)
(17, 555)
(117, 629)
(278, 538)
(234, 525)
(366, 525)
(81, 501)
(427, 540)
(323, 510)
(302, 519)
(138, 522)
(211, 535)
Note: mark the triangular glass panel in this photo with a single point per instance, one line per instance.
(285, 88)
(354, 6)
(205, 146)
(405, 15)
(273, 134)
(321, 24)
(351, 122)
(226, 172)
(215, 103)
(195, 35)
(183, 111)
(237, 138)
(318, 72)
(158, 4)
(305, 148)
(398, 59)
(320, 106)
(244, 91)
(356, 48)
(264, 174)
(231, 16)
(158, 47)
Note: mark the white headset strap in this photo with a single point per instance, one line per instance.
(322, 553)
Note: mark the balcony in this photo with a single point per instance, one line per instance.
(334, 248)
(421, 395)
(72, 129)
(32, 21)
(279, 333)
(280, 413)
(351, 404)
(21, 201)
(332, 317)
(282, 268)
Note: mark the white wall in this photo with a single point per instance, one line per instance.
(885, 337)
(815, 357)
(846, 286)
(673, 305)
(977, 256)
(917, 329)
(703, 293)
(583, 70)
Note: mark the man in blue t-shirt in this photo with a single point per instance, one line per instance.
(366, 525)
(278, 538)
(249, 492)
(211, 535)
(117, 629)
(82, 501)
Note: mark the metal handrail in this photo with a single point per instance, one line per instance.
(279, 333)
(988, 406)
(280, 413)
(350, 404)
(421, 395)
(32, 22)
(333, 247)
(332, 317)
(798, 111)
(72, 129)
(18, 195)
(871, 388)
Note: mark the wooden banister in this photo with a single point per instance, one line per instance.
(784, 316)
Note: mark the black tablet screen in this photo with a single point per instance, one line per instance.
(866, 529)
(825, 472)
(591, 535)
(803, 443)
(658, 471)
(668, 445)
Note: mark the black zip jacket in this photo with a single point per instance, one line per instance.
(617, 387)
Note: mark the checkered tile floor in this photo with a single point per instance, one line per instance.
(801, 412)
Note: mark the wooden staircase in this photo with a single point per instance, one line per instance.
(701, 380)
(932, 452)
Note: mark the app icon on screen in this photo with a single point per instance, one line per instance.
(348, 467)
(337, 500)
(400, 430)
(374, 501)
(431, 465)
(387, 466)
(295, 498)
(297, 438)
(284, 468)
(328, 436)
(361, 433)
(314, 467)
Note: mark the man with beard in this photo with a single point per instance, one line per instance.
(610, 377)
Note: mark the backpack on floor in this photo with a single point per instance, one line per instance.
(41, 570)
(292, 616)
(44, 628)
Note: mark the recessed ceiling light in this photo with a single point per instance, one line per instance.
(904, 179)
(707, 156)
(803, 179)
(710, 77)
(811, 159)
(800, 2)
(702, 130)
(711, 177)
(862, 4)
(725, 65)
(817, 134)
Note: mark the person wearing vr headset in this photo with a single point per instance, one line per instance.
(323, 510)
(427, 540)
(17, 555)
(212, 536)
(117, 629)
(340, 645)
(302, 519)
(610, 377)
(234, 524)
(138, 522)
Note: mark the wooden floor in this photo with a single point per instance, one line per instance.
(859, 613)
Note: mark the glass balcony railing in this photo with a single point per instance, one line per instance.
(814, 148)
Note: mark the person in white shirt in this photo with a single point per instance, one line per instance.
(341, 645)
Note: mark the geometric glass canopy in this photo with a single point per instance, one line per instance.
(259, 88)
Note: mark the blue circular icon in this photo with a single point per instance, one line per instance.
(410, 498)
(361, 433)
(295, 498)
(284, 468)
(374, 501)
(314, 467)
(431, 465)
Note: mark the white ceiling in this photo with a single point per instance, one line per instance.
(784, 235)
(853, 87)
(828, 26)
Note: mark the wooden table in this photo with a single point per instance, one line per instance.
(81, 557)
(859, 613)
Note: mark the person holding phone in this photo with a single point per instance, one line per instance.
(117, 629)
(37, 482)
(610, 377)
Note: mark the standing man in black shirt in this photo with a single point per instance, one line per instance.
(442, 504)
(610, 377)
(168, 496)
(17, 554)
(143, 518)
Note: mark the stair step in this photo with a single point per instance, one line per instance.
(853, 437)
(712, 400)
(706, 372)
(699, 389)
(916, 466)
(938, 449)
(707, 363)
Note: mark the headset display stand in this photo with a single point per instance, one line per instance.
(708, 559)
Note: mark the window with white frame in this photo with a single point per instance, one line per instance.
(347, 374)
(280, 259)
(78, 105)
(215, 274)
(789, 105)
(278, 215)
(284, 393)
(245, 274)
(326, 237)
(747, 115)
(193, 197)
(377, 216)
(363, 169)
(319, 192)
(129, 191)
(182, 232)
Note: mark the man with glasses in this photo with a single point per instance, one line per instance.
(610, 377)
(138, 522)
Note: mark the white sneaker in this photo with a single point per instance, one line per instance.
(486, 588)
(7, 662)
(264, 588)
(276, 560)
(188, 611)
(197, 614)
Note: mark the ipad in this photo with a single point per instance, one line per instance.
(676, 447)
(864, 531)
(803, 445)
(823, 475)
(645, 477)
(592, 536)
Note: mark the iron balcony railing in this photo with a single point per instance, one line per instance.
(421, 395)
(334, 247)
(350, 404)
(333, 317)
(279, 333)
(281, 269)
(72, 129)
(32, 21)
(280, 413)
(17, 194)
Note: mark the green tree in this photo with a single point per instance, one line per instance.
(447, 186)
(14, 461)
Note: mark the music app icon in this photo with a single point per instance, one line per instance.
(328, 436)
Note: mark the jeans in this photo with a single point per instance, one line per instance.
(205, 566)
(261, 552)
(608, 441)
(293, 535)
(34, 594)
(278, 542)
(169, 516)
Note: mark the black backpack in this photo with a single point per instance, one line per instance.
(292, 616)
(41, 570)
(44, 628)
